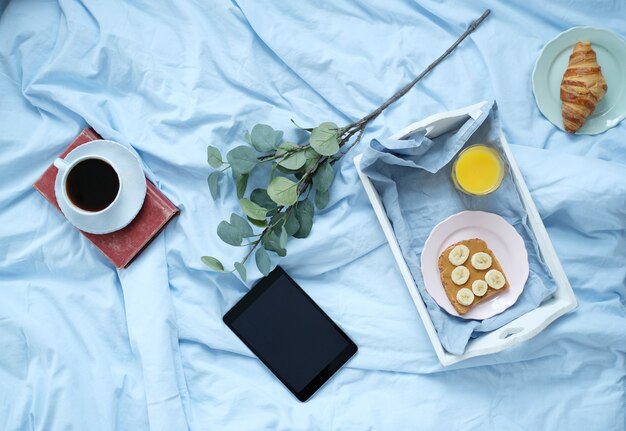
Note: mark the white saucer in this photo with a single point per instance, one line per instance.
(132, 195)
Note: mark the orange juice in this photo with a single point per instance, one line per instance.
(478, 170)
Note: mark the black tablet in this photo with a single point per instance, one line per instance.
(290, 334)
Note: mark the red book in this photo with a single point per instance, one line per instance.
(121, 246)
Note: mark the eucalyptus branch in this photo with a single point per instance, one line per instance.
(254, 245)
(284, 154)
(355, 142)
(362, 123)
(282, 209)
(307, 178)
(262, 234)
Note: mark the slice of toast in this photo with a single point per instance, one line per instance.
(475, 245)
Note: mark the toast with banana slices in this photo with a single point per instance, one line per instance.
(470, 274)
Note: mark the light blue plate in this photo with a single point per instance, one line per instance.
(552, 62)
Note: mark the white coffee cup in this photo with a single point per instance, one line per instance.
(66, 168)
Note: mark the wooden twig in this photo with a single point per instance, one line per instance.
(354, 127)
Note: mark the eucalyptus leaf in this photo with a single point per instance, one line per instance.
(242, 159)
(283, 191)
(285, 170)
(245, 230)
(271, 242)
(213, 184)
(214, 157)
(292, 225)
(241, 269)
(253, 210)
(293, 161)
(311, 158)
(247, 138)
(282, 239)
(229, 234)
(260, 197)
(308, 129)
(213, 263)
(258, 223)
(304, 213)
(277, 222)
(264, 138)
(324, 139)
(263, 261)
(323, 177)
(241, 183)
(321, 199)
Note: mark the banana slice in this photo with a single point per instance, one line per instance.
(479, 287)
(459, 275)
(458, 255)
(495, 279)
(481, 260)
(465, 296)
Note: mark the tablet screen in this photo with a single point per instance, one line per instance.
(293, 337)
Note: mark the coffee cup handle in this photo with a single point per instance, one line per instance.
(61, 164)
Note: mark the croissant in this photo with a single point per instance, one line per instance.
(582, 86)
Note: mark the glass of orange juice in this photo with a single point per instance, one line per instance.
(478, 170)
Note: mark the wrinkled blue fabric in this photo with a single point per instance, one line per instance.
(412, 177)
(84, 347)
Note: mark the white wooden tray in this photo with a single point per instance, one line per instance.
(525, 326)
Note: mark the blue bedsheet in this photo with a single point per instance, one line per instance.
(85, 347)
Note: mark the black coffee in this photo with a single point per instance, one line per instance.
(92, 185)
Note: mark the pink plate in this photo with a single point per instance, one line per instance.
(501, 238)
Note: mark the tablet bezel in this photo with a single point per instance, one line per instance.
(331, 368)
